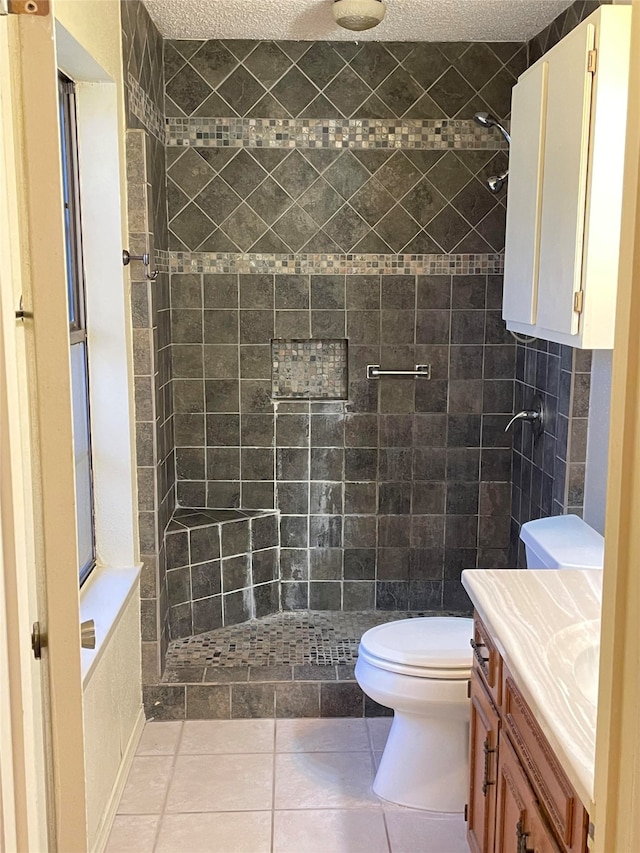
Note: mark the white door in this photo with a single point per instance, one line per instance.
(42, 786)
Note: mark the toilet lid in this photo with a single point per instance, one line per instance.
(428, 642)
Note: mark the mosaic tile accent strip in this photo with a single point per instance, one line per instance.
(230, 262)
(423, 134)
(141, 105)
(305, 637)
(309, 370)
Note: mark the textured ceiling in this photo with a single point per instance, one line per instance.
(406, 20)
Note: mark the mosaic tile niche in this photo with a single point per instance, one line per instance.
(309, 370)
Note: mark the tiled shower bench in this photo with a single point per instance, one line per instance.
(222, 568)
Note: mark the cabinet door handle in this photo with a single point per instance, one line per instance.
(482, 660)
(487, 753)
(521, 838)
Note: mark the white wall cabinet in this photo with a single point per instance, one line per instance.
(565, 186)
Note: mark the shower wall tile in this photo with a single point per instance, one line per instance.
(319, 79)
(148, 232)
(548, 473)
(396, 201)
(386, 497)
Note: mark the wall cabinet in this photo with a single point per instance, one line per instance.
(520, 800)
(566, 169)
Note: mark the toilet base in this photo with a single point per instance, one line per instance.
(425, 763)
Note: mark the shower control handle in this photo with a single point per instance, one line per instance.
(526, 415)
(534, 414)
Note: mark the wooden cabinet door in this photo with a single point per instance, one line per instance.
(484, 727)
(520, 826)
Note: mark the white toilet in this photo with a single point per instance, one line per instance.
(420, 668)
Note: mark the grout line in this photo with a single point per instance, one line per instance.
(170, 780)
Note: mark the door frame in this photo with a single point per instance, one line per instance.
(48, 755)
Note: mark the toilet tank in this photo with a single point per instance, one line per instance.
(562, 542)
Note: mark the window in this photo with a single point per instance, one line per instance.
(77, 330)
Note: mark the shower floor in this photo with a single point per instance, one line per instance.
(285, 665)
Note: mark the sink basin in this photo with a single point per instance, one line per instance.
(576, 649)
(585, 671)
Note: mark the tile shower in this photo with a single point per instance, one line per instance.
(326, 209)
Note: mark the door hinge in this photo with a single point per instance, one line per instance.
(39, 8)
(469, 689)
(592, 61)
(466, 811)
(578, 301)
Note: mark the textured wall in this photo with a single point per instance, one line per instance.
(386, 497)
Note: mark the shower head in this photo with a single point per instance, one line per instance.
(487, 120)
(496, 182)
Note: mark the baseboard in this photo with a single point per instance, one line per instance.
(112, 806)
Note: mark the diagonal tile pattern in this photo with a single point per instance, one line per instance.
(391, 200)
(314, 79)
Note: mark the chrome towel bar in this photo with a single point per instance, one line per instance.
(421, 371)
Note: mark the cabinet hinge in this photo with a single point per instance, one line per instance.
(578, 301)
(466, 811)
(592, 61)
(24, 7)
(469, 689)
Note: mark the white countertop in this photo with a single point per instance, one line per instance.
(525, 612)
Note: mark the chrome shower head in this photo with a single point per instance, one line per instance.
(496, 182)
(484, 119)
(487, 120)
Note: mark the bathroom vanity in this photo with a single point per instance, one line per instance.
(533, 707)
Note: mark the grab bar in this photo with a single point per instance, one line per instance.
(421, 371)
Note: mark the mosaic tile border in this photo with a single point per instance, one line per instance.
(143, 108)
(437, 134)
(336, 264)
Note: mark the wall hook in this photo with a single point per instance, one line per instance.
(127, 258)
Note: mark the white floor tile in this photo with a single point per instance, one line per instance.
(329, 831)
(159, 739)
(221, 783)
(208, 737)
(147, 785)
(132, 834)
(321, 735)
(324, 780)
(410, 830)
(223, 832)
(379, 731)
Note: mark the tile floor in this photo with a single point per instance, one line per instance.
(269, 786)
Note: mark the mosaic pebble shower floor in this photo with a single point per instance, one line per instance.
(297, 664)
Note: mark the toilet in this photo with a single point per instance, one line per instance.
(421, 667)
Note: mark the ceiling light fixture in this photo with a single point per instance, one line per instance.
(358, 14)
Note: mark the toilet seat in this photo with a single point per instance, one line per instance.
(435, 647)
